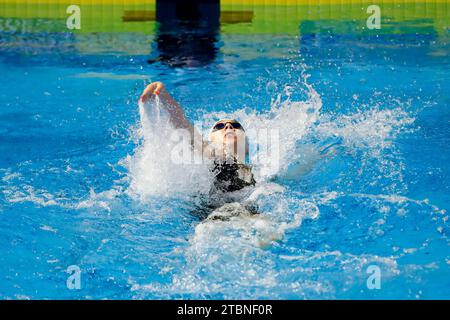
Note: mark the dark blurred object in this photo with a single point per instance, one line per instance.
(187, 32)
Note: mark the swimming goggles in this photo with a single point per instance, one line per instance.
(221, 125)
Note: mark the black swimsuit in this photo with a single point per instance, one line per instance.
(229, 177)
(232, 176)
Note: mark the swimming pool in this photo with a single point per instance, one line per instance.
(363, 179)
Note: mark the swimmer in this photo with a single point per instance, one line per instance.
(226, 146)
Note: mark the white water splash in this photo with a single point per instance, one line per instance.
(291, 120)
(151, 169)
(374, 128)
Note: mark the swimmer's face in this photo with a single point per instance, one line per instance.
(228, 138)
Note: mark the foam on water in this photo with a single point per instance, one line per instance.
(223, 256)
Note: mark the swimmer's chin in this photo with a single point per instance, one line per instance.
(229, 134)
(230, 137)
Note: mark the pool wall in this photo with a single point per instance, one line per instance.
(236, 17)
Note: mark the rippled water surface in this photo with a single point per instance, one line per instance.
(363, 176)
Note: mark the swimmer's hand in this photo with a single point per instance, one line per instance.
(154, 89)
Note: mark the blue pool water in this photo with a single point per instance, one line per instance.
(363, 179)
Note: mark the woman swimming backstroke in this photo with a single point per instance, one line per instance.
(226, 146)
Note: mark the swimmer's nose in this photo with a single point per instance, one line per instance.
(228, 126)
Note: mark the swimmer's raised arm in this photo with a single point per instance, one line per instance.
(177, 115)
(176, 112)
